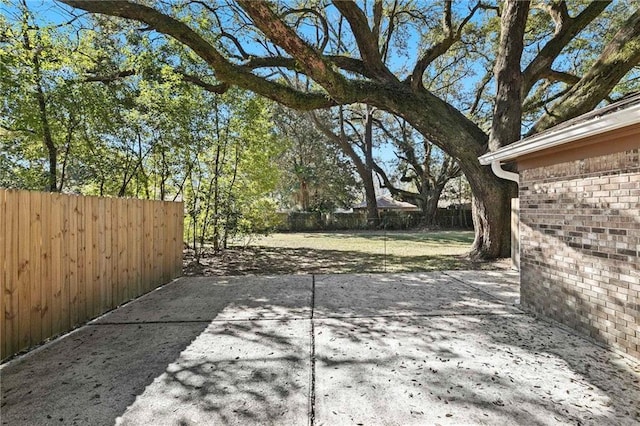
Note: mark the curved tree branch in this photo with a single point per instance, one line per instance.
(440, 48)
(226, 72)
(620, 55)
(566, 30)
(323, 21)
(189, 78)
(366, 39)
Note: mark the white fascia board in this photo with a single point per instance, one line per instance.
(592, 127)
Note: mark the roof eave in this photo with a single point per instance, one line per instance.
(595, 126)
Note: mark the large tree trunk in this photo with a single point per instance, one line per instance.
(430, 206)
(491, 195)
(491, 206)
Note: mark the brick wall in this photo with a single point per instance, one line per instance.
(580, 242)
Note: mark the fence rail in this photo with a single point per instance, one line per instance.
(65, 259)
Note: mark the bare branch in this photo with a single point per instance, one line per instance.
(344, 62)
(566, 30)
(226, 72)
(481, 87)
(365, 39)
(442, 46)
(619, 56)
(562, 76)
(390, 29)
(17, 129)
(237, 43)
(110, 77)
(322, 19)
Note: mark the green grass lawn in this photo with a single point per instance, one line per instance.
(393, 243)
(345, 252)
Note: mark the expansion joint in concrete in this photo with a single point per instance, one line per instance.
(312, 359)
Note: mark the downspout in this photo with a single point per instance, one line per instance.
(497, 169)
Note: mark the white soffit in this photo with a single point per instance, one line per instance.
(594, 126)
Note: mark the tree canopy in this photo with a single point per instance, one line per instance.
(468, 76)
(537, 63)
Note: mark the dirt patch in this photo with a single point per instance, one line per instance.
(259, 260)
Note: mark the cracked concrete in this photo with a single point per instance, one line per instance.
(391, 349)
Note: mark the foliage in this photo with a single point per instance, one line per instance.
(422, 169)
(153, 135)
(316, 175)
(469, 76)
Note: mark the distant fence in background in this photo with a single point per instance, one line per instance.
(65, 259)
(316, 221)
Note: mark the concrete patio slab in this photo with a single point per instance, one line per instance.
(220, 298)
(244, 373)
(392, 349)
(91, 375)
(500, 284)
(488, 369)
(409, 294)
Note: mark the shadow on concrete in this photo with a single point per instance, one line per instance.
(95, 374)
(253, 372)
(468, 364)
(91, 376)
(381, 349)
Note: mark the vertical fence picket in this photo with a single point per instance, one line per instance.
(12, 245)
(65, 266)
(4, 294)
(11, 307)
(100, 267)
(82, 260)
(24, 268)
(73, 262)
(90, 215)
(57, 277)
(157, 247)
(147, 241)
(165, 238)
(180, 236)
(46, 286)
(122, 250)
(115, 276)
(34, 239)
(129, 249)
(108, 256)
(137, 249)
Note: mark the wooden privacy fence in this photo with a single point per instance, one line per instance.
(65, 259)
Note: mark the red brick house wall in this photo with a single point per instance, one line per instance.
(580, 242)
